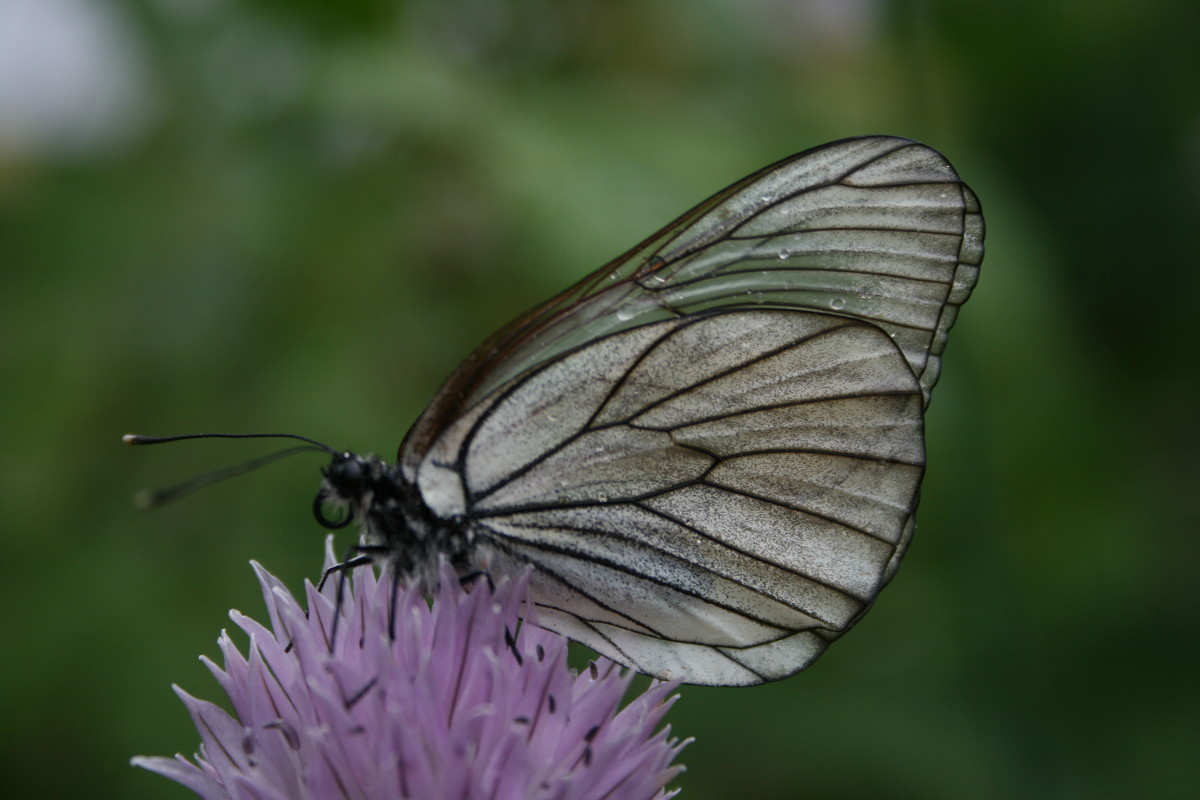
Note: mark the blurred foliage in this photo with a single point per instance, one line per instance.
(281, 215)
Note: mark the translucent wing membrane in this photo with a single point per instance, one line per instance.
(711, 449)
(878, 228)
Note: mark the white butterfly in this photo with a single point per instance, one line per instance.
(710, 450)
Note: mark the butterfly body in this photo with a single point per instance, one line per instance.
(394, 518)
(710, 450)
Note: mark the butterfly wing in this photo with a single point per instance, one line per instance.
(878, 228)
(711, 449)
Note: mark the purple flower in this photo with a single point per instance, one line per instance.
(445, 709)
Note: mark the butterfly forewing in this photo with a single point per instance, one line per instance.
(710, 450)
(879, 228)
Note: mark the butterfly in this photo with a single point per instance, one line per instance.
(710, 450)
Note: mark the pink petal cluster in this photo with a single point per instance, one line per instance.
(463, 701)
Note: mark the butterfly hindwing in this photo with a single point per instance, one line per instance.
(716, 483)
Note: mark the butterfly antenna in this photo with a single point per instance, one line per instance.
(148, 499)
(138, 439)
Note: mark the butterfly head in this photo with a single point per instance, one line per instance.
(351, 483)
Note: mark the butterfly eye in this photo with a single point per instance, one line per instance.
(348, 471)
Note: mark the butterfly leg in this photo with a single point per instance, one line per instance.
(358, 555)
(475, 575)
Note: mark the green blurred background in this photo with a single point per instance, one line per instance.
(297, 215)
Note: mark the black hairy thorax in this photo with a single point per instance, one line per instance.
(397, 525)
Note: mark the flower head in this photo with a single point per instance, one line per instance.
(462, 701)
